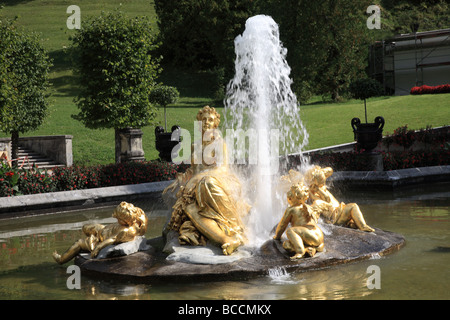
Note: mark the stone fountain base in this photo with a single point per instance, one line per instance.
(342, 245)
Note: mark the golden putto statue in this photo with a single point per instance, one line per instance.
(331, 210)
(304, 235)
(309, 199)
(131, 222)
(209, 202)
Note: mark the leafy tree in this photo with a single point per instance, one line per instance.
(164, 95)
(427, 15)
(200, 33)
(24, 67)
(365, 88)
(346, 37)
(326, 41)
(117, 69)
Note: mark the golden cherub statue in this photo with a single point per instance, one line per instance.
(131, 222)
(332, 210)
(304, 235)
(209, 203)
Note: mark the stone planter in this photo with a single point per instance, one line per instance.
(164, 143)
(129, 145)
(367, 135)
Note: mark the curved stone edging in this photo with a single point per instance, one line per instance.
(392, 179)
(79, 198)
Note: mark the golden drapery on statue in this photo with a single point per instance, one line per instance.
(209, 202)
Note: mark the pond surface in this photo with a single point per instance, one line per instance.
(420, 270)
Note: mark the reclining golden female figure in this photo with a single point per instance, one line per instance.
(209, 204)
(304, 235)
(332, 210)
(131, 222)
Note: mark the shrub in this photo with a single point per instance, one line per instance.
(414, 159)
(35, 181)
(405, 138)
(137, 172)
(365, 88)
(23, 82)
(344, 161)
(18, 181)
(445, 88)
(437, 152)
(350, 161)
(116, 66)
(8, 180)
(162, 96)
(75, 178)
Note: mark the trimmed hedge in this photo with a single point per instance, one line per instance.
(18, 181)
(436, 153)
(444, 88)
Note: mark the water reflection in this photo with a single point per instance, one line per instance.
(418, 271)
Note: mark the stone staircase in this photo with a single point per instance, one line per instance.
(30, 158)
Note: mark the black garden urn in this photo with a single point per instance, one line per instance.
(367, 135)
(164, 143)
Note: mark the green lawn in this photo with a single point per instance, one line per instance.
(327, 123)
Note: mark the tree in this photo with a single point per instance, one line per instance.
(425, 15)
(365, 88)
(326, 41)
(117, 68)
(24, 67)
(117, 71)
(200, 33)
(162, 96)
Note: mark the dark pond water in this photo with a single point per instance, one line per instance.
(420, 270)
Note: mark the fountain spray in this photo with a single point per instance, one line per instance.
(259, 100)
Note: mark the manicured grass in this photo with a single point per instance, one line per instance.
(327, 123)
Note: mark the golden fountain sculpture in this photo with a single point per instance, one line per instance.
(209, 203)
(131, 222)
(331, 210)
(304, 236)
(210, 206)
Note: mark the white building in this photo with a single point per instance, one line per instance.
(413, 59)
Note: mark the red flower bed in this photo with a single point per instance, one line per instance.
(444, 88)
(437, 152)
(17, 181)
(350, 161)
